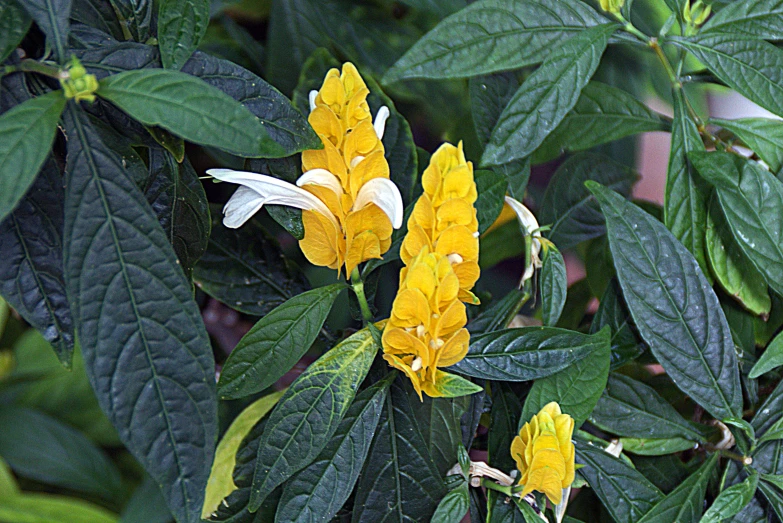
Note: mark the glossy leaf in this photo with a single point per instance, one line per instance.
(764, 136)
(274, 344)
(624, 492)
(554, 284)
(675, 310)
(318, 491)
(14, 24)
(612, 311)
(135, 17)
(761, 19)
(145, 347)
(770, 359)
(493, 35)
(454, 505)
(526, 353)
(309, 413)
(52, 16)
(191, 109)
(26, 135)
(546, 96)
(504, 419)
(748, 194)
(491, 189)
(568, 207)
(773, 496)
(499, 314)
(34, 508)
(656, 446)
(730, 501)
(181, 26)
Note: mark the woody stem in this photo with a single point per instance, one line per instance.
(358, 288)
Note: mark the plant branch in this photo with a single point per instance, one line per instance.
(358, 288)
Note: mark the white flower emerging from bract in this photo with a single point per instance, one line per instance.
(530, 226)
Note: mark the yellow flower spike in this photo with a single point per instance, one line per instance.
(349, 204)
(545, 454)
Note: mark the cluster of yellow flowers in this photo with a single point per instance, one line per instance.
(427, 325)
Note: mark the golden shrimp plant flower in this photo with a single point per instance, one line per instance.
(544, 453)
(349, 204)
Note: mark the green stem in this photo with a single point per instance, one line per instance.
(745, 460)
(34, 66)
(491, 485)
(358, 288)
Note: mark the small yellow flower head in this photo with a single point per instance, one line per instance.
(427, 325)
(612, 6)
(545, 454)
(79, 85)
(444, 218)
(696, 14)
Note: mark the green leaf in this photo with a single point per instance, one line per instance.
(245, 269)
(399, 481)
(8, 485)
(14, 24)
(748, 196)
(493, 35)
(656, 447)
(525, 354)
(491, 188)
(554, 284)
(38, 508)
(685, 201)
(730, 501)
(753, 68)
(770, 413)
(684, 504)
(499, 313)
(734, 274)
(52, 16)
(546, 96)
(576, 388)
(41, 448)
(26, 135)
(612, 311)
(502, 243)
(573, 214)
(318, 491)
(624, 492)
(762, 19)
(181, 26)
(145, 348)
(146, 504)
(221, 482)
(764, 136)
(773, 433)
(770, 359)
(504, 421)
(773, 496)
(602, 114)
(135, 17)
(454, 386)
(309, 413)
(673, 307)
(274, 344)
(630, 408)
(190, 108)
(454, 505)
(776, 480)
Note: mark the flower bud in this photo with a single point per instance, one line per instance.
(79, 85)
(696, 14)
(612, 6)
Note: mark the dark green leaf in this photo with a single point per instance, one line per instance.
(656, 447)
(763, 135)
(624, 492)
(145, 347)
(135, 17)
(52, 16)
(502, 243)
(673, 306)
(568, 206)
(773, 496)
(578, 298)
(576, 388)
(178, 199)
(504, 420)
(525, 354)
(441, 8)
(438, 421)
(97, 19)
(685, 201)
(26, 135)
(181, 26)
(554, 284)
(761, 19)
(309, 413)
(685, 503)
(14, 24)
(318, 491)
(190, 108)
(770, 412)
(276, 342)
(770, 359)
(493, 35)
(630, 408)
(666, 472)
(146, 504)
(41, 448)
(491, 188)
(454, 505)
(546, 96)
(602, 114)
(32, 272)
(499, 314)
(730, 501)
(748, 196)
(245, 269)
(753, 68)
(399, 482)
(613, 312)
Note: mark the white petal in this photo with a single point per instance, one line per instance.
(323, 178)
(311, 97)
(383, 193)
(270, 191)
(380, 121)
(242, 205)
(524, 216)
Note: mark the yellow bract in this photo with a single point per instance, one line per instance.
(545, 454)
(444, 218)
(426, 328)
(354, 154)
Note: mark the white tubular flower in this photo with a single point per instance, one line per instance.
(530, 226)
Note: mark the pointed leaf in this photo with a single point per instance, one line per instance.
(656, 446)
(181, 26)
(504, 420)
(763, 135)
(675, 310)
(274, 344)
(554, 284)
(52, 16)
(33, 508)
(14, 24)
(454, 505)
(730, 501)
(499, 314)
(770, 359)
(762, 19)
(145, 347)
(613, 312)
(491, 188)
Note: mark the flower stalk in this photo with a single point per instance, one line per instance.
(358, 288)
